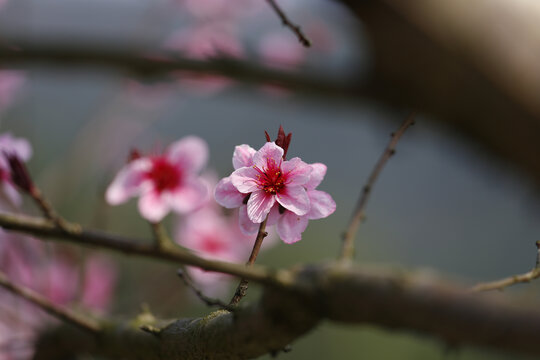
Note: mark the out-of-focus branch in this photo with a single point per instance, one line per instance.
(345, 294)
(471, 65)
(512, 280)
(46, 229)
(288, 23)
(65, 314)
(347, 249)
(161, 64)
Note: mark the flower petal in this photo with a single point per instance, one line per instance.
(190, 152)
(321, 204)
(128, 181)
(316, 176)
(295, 171)
(11, 194)
(153, 207)
(16, 146)
(295, 199)
(247, 226)
(269, 152)
(273, 215)
(187, 197)
(259, 205)
(227, 195)
(243, 156)
(245, 179)
(291, 226)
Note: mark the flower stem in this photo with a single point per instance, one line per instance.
(242, 287)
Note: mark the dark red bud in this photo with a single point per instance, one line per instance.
(283, 140)
(267, 137)
(19, 174)
(134, 154)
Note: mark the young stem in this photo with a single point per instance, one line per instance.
(243, 285)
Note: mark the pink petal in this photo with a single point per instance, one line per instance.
(10, 192)
(17, 146)
(321, 203)
(188, 197)
(227, 195)
(316, 176)
(128, 181)
(296, 172)
(295, 199)
(153, 207)
(245, 179)
(259, 205)
(243, 156)
(247, 226)
(274, 215)
(190, 152)
(291, 226)
(99, 282)
(269, 151)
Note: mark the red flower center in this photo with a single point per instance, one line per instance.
(271, 180)
(211, 245)
(164, 175)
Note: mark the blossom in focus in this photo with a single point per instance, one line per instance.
(290, 226)
(272, 179)
(164, 182)
(285, 191)
(20, 149)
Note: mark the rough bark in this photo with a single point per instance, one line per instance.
(417, 302)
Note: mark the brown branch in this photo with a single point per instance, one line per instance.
(244, 283)
(512, 280)
(161, 64)
(347, 249)
(287, 23)
(42, 302)
(47, 230)
(162, 239)
(341, 294)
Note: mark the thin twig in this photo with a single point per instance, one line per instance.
(46, 230)
(161, 237)
(512, 280)
(47, 210)
(244, 283)
(347, 249)
(287, 23)
(205, 299)
(67, 315)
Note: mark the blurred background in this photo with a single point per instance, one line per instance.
(441, 204)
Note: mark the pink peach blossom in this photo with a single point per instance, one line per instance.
(164, 182)
(290, 226)
(100, 275)
(272, 179)
(11, 146)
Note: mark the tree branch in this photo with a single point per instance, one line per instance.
(162, 63)
(46, 229)
(287, 23)
(347, 249)
(512, 280)
(349, 294)
(65, 314)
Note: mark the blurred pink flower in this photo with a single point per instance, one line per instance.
(62, 281)
(164, 182)
(281, 49)
(100, 275)
(20, 148)
(205, 42)
(10, 83)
